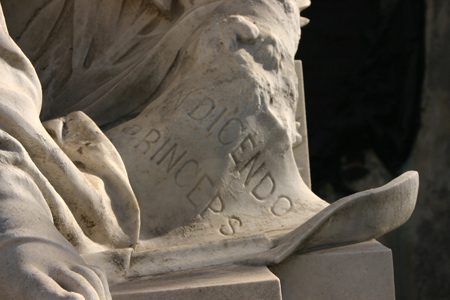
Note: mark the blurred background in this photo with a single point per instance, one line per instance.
(377, 85)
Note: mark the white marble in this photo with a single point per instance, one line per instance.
(301, 149)
(358, 272)
(361, 272)
(220, 283)
(184, 157)
(225, 168)
(353, 219)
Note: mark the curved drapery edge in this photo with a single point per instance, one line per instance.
(20, 105)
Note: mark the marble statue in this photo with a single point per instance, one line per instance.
(161, 141)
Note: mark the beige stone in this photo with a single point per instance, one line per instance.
(358, 272)
(165, 139)
(221, 283)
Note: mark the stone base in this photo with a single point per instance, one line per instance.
(218, 283)
(357, 272)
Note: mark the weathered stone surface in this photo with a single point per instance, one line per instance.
(198, 100)
(301, 150)
(227, 160)
(361, 271)
(221, 283)
(358, 272)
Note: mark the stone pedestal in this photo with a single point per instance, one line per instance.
(218, 283)
(357, 272)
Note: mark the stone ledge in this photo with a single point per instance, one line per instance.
(218, 283)
(358, 272)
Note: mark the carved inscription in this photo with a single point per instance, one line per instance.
(249, 161)
(230, 131)
(231, 227)
(251, 169)
(282, 207)
(150, 138)
(217, 205)
(169, 155)
(265, 188)
(201, 191)
(216, 119)
(244, 151)
(172, 158)
(203, 109)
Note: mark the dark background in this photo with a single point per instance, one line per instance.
(377, 85)
(363, 64)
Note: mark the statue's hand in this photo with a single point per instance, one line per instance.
(48, 270)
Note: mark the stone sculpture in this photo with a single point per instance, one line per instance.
(199, 99)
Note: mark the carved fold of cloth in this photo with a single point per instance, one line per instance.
(115, 50)
(70, 43)
(73, 161)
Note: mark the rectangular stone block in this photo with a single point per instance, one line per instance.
(301, 151)
(356, 272)
(218, 283)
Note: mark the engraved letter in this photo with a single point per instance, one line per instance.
(233, 224)
(230, 131)
(186, 173)
(246, 146)
(216, 204)
(202, 192)
(202, 109)
(265, 188)
(159, 149)
(282, 207)
(133, 130)
(151, 137)
(216, 119)
(172, 161)
(250, 165)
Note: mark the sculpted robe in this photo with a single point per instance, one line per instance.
(79, 197)
(83, 64)
(103, 57)
(115, 60)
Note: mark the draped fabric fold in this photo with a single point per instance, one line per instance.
(119, 52)
(83, 202)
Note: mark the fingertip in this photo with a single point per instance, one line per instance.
(99, 271)
(77, 283)
(46, 288)
(74, 296)
(101, 274)
(96, 278)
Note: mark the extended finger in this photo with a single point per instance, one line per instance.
(43, 287)
(104, 280)
(74, 282)
(94, 279)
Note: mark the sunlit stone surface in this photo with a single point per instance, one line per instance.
(165, 138)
